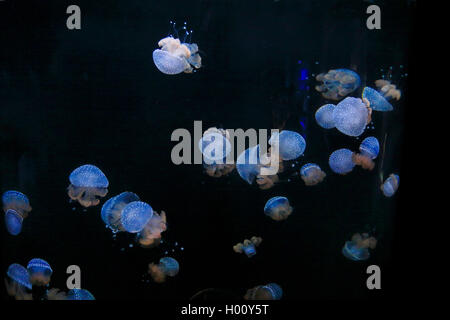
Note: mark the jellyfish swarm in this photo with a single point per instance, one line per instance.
(87, 184)
(337, 83)
(16, 207)
(215, 146)
(39, 271)
(390, 185)
(311, 174)
(248, 246)
(358, 248)
(150, 235)
(112, 210)
(271, 291)
(167, 267)
(135, 216)
(19, 282)
(351, 116)
(291, 145)
(324, 116)
(379, 100)
(278, 208)
(341, 162)
(79, 294)
(369, 149)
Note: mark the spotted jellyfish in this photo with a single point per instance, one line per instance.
(135, 216)
(87, 184)
(369, 149)
(324, 116)
(390, 185)
(311, 174)
(39, 271)
(215, 146)
(271, 291)
(340, 161)
(248, 246)
(351, 116)
(150, 235)
(337, 83)
(379, 100)
(358, 248)
(167, 266)
(19, 282)
(291, 144)
(16, 207)
(278, 208)
(112, 210)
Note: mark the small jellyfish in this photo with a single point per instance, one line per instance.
(324, 116)
(369, 149)
(278, 208)
(358, 248)
(312, 174)
(271, 291)
(167, 267)
(390, 185)
(79, 294)
(291, 145)
(135, 216)
(16, 207)
(176, 56)
(248, 246)
(215, 146)
(112, 210)
(19, 282)
(379, 100)
(39, 271)
(87, 184)
(351, 116)
(150, 235)
(341, 161)
(337, 83)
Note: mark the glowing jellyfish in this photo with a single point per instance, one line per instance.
(87, 184)
(215, 146)
(271, 291)
(112, 210)
(341, 161)
(358, 248)
(167, 267)
(135, 216)
(16, 207)
(79, 294)
(39, 271)
(150, 235)
(291, 145)
(278, 208)
(248, 246)
(248, 164)
(379, 100)
(390, 185)
(351, 116)
(312, 174)
(369, 149)
(337, 83)
(19, 282)
(177, 56)
(324, 116)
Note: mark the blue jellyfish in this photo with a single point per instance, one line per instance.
(358, 248)
(270, 291)
(39, 271)
(338, 83)
(167, 267)
(135, 216)
(351, 116)
(324, 116)
(370, 147)
(341, 161)
(278, 208)
(378, 100)
(177, 56)
(87, 184)
(311, 174)
(19, 282)
(390, 185)
(112, 210)
(79, 294)
(215, 146)
(291, 144)
(248, 164)
(16, 207)
(150, 235)
(248, 246)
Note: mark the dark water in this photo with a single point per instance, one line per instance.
(94, 96)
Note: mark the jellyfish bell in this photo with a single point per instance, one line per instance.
(270, 291)
(337, 83)
(370, 147)
(39, 271)
(248, 164)
(112, 210)
(291, 144)
(351, 116)
(311, 174)
(19, 274)
(341, 161)
(13, 221)
(87, 184)
(135, 215)
(278, 208)
(390, 185)
(324, 116)
(79, 294)
(215, 146)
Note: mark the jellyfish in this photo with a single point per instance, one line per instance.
(337, 83)
(39, 271)
(324, 116)
(167, 266)
(358, 248)
(278, 208)
(56, 294)
(135, 216)
(369, 149)
(291, 145)
(341, 161)
(215, 146)
(16, 207)
(312, 174)
(248, 246)
(351, 116)
(177, 56)
(150, 235)
(19, 282)
(79, 294)
(112, 210)
(379, 100)
(87, 184)
(390, 185)
(271, 291)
